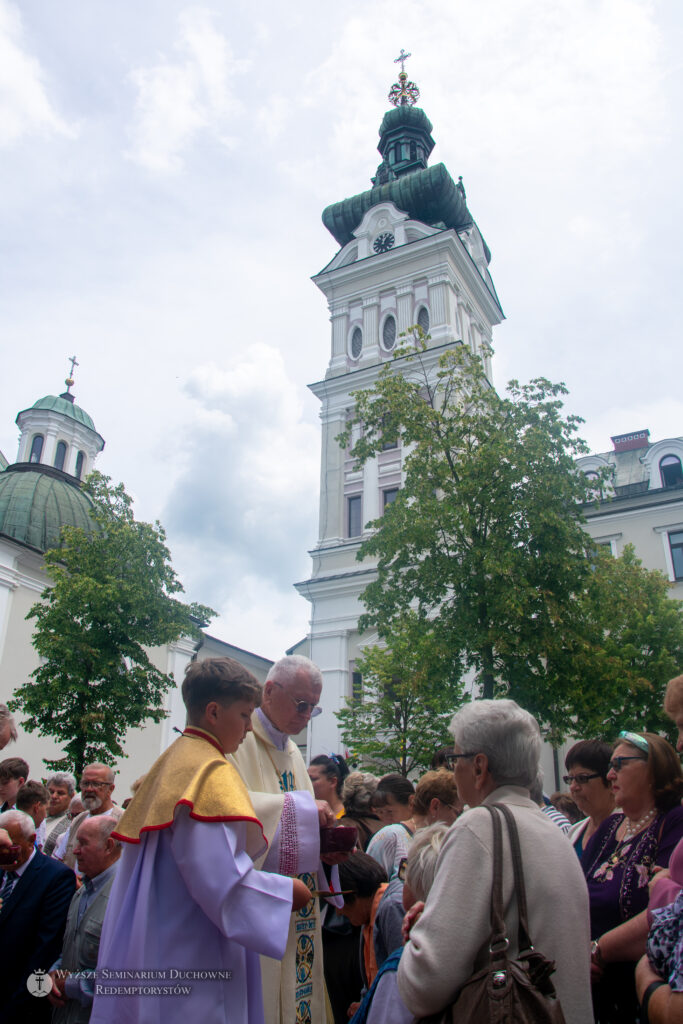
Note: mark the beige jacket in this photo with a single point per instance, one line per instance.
(450, 940)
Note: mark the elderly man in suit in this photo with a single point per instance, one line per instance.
(72, 975)
(35, 893)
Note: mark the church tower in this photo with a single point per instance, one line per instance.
(410, 253)
(41, 491)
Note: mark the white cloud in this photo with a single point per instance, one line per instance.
(245, 502)
(243, 510)
(25, 107)
(177, 99)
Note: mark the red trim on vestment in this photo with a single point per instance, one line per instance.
(191, 731)
(197, 817)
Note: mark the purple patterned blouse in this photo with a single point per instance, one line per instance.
(617, 873)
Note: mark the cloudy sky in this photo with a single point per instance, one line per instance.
(164, 167)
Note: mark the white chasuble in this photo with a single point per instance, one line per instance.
(282, 795)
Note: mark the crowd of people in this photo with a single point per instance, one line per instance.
(239, 885)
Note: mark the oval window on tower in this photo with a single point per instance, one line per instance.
(389, 333)
(356, 343)
(423, 319)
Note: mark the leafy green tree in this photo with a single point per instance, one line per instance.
(110, 597)
(484, 543)
(631, 646)
(410, 690)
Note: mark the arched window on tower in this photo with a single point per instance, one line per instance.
(670, 471)
(36, 448)
(60, 455)
(80, 459)
(413, 151)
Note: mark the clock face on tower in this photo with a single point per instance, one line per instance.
(384, 242)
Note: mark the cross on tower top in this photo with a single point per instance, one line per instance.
(401, 59)
(70, 379)
(403, 93)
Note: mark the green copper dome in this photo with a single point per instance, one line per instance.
(427, 194)
(36, 504)
(59, 404)
(413, 117)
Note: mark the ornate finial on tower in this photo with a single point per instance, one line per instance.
(403, 93)
(70, 380)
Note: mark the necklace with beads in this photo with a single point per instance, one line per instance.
(633, 827)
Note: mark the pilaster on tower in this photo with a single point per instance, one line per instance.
(410, 253)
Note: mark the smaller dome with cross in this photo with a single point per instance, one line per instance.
(56, 432)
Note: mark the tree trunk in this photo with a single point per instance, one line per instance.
(487, 677)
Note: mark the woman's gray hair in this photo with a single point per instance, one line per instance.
(24, 821)
(63, 779)
(423, 854)
(508, 735)
(357, 793)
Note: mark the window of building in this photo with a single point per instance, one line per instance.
(388, 445)
(676, 545)
(356, 686)
(36, 448)
(60, 455)
(80, 459)
(389, 333)
(389, 496)
(354, 512)
(356, 343)
(423, 319)
(593, 481)
(671, 471)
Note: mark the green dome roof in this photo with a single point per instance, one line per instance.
(405, 116)
(67, 408)
(36, 504)
(430, 196)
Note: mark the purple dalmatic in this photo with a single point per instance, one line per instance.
(187, 919)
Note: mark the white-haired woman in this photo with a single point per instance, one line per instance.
(497, 748)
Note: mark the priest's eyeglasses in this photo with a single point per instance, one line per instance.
(302, 706)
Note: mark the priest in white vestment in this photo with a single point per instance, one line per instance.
(279, 787)
(188, 913)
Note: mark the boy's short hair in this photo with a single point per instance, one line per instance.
(31, 793)
(13, 768)
(220, 679)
